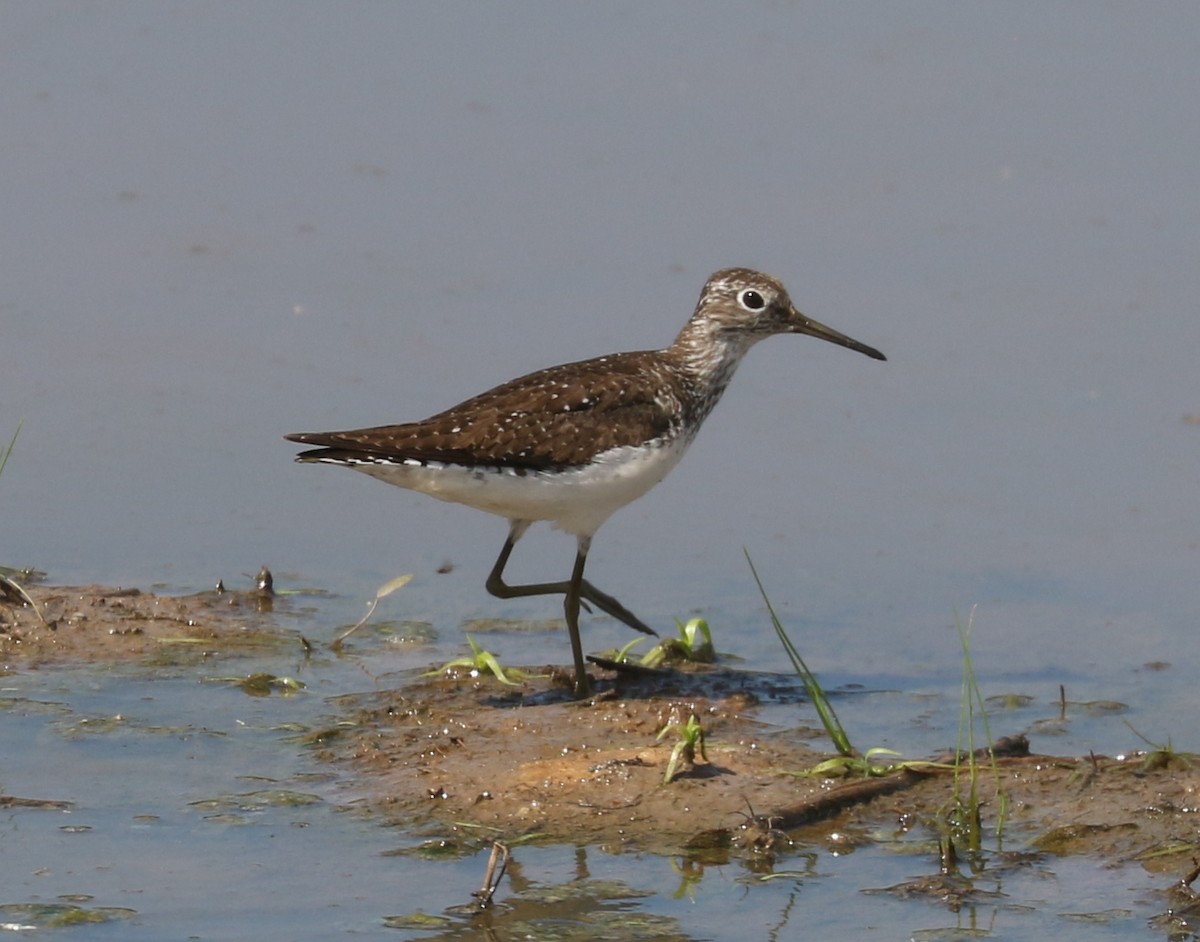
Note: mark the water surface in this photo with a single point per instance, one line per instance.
(230, 223)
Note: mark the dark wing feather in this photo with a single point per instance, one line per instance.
(554, 418)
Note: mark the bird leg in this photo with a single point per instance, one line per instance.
(571, 608)
(577, 591)
(587, 592)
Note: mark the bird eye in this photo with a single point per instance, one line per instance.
(751, 300)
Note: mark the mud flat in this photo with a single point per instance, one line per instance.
(464, 754)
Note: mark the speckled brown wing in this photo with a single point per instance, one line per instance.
(559, 417)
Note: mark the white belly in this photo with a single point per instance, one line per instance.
(576, 500)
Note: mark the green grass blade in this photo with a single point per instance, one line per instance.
(972, 700)
(7, 449)
(820, 701)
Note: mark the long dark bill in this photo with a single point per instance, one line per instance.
(806, 325)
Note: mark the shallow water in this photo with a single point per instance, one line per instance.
(232, 225)
(199, 812)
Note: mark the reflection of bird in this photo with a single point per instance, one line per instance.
(573, 443)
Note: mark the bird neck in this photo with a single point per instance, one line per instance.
(707, 358)
(709, 352)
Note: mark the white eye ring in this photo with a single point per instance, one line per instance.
(751, 300)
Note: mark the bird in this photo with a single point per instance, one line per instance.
(574, 443)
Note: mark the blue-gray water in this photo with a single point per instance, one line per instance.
(227, 222)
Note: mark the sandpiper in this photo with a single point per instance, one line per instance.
(573, 443)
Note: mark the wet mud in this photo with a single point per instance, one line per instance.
(462, 753)
(47, 625)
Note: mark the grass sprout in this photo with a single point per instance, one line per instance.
(1162, 756)
(693, 644)
(622, 655)
(965, 813)
(482, 662)
(691, 739)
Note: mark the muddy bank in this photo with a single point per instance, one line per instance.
(534, 762)
(49, 625)
(465, 755)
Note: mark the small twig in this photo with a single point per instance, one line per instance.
(14, 592)
(383, 592)
(12, 801)
(497, 864)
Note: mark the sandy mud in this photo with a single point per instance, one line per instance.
(465, 753)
